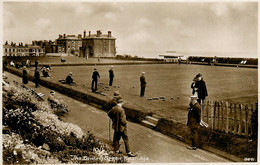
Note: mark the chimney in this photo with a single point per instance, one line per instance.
(64, 35)
(89, 33)
(109, 33)
(84, 33)
(79, 36)
(98, 33)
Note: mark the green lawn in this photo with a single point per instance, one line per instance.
(236, 85)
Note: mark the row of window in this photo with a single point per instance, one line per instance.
(23, 50)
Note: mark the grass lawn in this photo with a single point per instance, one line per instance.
(236, 85)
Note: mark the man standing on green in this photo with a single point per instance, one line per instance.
(143, 84)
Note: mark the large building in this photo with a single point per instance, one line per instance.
(91, 45)
(69, 44)
(98, 45)
(22, 50)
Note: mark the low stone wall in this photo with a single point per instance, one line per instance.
(220, 141)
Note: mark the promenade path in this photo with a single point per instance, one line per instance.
(149, 145)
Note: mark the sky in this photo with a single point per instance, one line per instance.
(140, 25)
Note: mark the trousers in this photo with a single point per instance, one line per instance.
(117, 137)
(195, 137)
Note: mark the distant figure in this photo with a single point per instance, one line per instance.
(179, 60)
(117, 114)
(62, 60)
(201, 88)
(28, 63)
(193, 123)
(143, 84)
(193, 87)
(69, 79)
(45, 72)
(95, 77)
(25, 75)
(36, 78)
(17, 65)
(36, 64)
(4, 65)
(111, 76)
(12, 64)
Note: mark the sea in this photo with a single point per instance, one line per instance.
(155, 54)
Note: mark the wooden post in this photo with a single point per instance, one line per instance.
(250, 121)
(235, 119)
(218, 128)
(202, 111)
(240, 120)
(207, 111)
(211, 114)
(231, 119)
(214, 121)
(222, 117)
(226, 107)
(246, 120)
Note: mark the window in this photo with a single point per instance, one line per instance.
(5, 50)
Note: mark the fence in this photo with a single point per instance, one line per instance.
(227, 117)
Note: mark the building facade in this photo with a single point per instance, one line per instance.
(69, 44)
(98, 45)
(22, 50)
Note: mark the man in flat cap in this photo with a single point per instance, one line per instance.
(118, 117)
(194, 119)
(111, 76)
(201, 88)
(95, 77)
(143, 84)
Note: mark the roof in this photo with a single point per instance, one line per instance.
(170, 55)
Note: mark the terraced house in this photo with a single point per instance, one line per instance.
(22, 50)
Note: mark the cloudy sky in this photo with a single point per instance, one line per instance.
(140, 26)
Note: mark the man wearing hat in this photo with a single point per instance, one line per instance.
(118, 117)
(201, 88)
(111, 76)
(25, 75)
(69, 79)
(113, 102)
(143, 84)
(193, 123)
(95, 77)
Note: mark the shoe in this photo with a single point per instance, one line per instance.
(118, 152)
(130, 154)
(191, 148)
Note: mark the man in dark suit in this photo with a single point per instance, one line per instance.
(143, 84)
(118, 117)
(25, 75)
(69, 79)
(201, 88)
(36, 64)
(111, 76)
(95, 77)
(36, 78)
(194, 119)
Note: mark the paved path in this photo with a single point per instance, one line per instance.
(149, 145)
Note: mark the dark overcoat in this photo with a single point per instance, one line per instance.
(143, 82)
(25, 77)
(117, 114)
(202, 89)
(194, 116)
